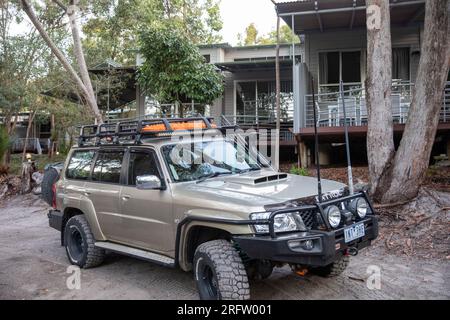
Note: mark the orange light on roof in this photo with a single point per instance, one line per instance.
(185, 125)
(154, 127)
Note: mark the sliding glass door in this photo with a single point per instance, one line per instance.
(255, 101)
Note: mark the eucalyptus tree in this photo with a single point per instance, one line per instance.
(396, 175)
(81, 78)
(24, 58)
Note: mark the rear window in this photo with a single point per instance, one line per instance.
(108, 166)
(80, 165)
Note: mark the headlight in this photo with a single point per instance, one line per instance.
(360, 207)
(282, 222)
(334, 216)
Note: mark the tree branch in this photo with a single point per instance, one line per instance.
(86, 88)
(79, 55)
(61, 5)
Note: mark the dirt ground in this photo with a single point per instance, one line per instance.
(33, 265)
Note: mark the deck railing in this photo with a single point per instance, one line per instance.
(32, 145)
(330, 111)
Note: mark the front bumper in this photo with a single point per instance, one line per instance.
(328, 246)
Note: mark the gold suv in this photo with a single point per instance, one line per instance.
(158, 191)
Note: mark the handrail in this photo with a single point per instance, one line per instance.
(330, 106)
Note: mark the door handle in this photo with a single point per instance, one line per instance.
(125, 198)
(87, 194)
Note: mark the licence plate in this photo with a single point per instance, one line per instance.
(354, 232)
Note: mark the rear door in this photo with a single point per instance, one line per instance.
(147, 214)
(76, 174)
(104, 189)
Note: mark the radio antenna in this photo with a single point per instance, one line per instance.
(347, 142)
(316, 147)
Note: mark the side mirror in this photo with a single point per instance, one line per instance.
(148, 182)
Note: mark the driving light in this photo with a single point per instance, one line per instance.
(334, 216)
(360, 207)
(282, 222)
(302, 245)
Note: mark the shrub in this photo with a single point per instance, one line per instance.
(4, 142)
(298, 171)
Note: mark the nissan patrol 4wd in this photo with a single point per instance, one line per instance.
(198, 204)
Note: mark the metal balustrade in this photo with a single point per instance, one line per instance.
(330, 112)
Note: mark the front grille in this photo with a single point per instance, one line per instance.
(309, 218)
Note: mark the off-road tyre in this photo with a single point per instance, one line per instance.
(79, 244)
(50, 177)
(334, 269)
(219, 272)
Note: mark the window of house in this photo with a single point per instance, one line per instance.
(108, 166)
(400, 64)
(351, 66)
(207, 58)
(142, 163)
(337, 66)
(80, 165)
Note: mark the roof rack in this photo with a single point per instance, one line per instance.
(132, 131)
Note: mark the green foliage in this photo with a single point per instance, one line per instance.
(251, 36)
(40, 160)
(64, 148)
(4, 142)
(112, 30)
(174, 70)
(298, 171)
(286, 36)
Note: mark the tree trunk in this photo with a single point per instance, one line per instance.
(27, 170)
(380, 140)
(72, 11)
(90, 100)
(10, 129)
(402, 179)
(27, 136)
(51, 147)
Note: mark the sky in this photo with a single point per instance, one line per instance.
(238, 14)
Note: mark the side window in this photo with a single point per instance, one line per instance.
(80, 165)
(108, 166)
(141, 164)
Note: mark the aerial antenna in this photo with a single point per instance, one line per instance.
(316, 147)
(347, 142)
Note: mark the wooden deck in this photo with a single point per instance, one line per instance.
(336, 134)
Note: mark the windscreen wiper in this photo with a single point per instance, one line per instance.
(248, 170)
(212, 175)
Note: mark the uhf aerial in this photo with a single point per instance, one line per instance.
(316, 143)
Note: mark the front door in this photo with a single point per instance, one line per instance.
(147, 214)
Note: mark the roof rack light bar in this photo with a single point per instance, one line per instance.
(111, 133)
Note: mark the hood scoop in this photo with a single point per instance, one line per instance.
(254, 181)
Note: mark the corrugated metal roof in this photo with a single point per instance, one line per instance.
(320, 15)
